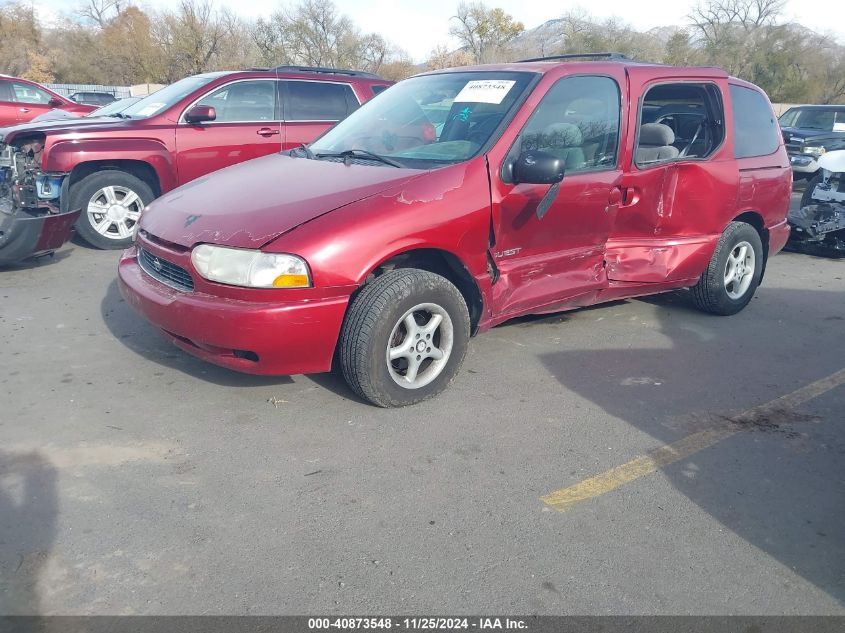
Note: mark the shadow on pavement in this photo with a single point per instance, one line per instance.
(779, 486)
(28, 515)
(138, 335)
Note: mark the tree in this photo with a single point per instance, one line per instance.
(101, 12)
(20, 38)
(440, 57)
(315, 33)
(484, 32)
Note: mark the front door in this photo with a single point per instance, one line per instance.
(247, 126)
(543, 262)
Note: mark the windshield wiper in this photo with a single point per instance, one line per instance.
(361, 153)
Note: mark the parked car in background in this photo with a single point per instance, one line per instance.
(395, 236)
(93, 98)
(810, 131)
(107, 110)
(22, 100)
(112, 168)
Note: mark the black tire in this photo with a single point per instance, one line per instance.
(82, 192)
(806, 197)
(710, 294)
(370, 322)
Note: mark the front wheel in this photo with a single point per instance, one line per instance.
(404, 338)
(111, 203)
(734, 272)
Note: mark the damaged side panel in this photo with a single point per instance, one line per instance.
(31, 220)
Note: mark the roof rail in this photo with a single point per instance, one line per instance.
(577, 56)
(321, 69)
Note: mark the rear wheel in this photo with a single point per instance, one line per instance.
(734, 271)
(111, 203)
(404, 338)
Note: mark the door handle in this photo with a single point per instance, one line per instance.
(266, 131)
(630, 197)
(24, 109)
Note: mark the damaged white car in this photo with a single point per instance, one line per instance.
(818, 226)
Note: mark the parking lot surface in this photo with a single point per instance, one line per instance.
(135, 479)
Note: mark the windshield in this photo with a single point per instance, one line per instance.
(422, 121)
(114, 107)
(168, 96)
(814, 119)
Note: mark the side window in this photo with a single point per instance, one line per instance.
(243, 101)
(756, 131)
(577, 121)
(318, 101)
(680, 120)
(5, 91)
(29, 94)
(379, 89)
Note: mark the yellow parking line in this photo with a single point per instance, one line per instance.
(563, 499)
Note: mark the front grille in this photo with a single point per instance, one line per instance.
(164, 271)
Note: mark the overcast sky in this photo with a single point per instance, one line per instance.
(420, 25)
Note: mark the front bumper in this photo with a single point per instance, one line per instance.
(276, 338)
(25, 233)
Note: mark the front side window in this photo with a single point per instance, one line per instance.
(243, 102)
(677, 121)
(756, 131)
(318, 101)
(577, 121)
(25, 93)
(430, 120)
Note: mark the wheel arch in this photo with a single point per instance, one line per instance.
(755, 219)
(138, 168)
(440, 262)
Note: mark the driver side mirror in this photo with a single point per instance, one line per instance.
(538, 168)
(200, 114)
(55, 103)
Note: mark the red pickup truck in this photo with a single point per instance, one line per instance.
(111, 168)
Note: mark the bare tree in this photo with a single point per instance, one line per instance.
(101, 12)
(484, 32)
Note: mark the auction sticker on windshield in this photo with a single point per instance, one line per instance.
(151, 109)
(485, 91)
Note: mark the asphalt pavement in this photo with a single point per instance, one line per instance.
(135, 479)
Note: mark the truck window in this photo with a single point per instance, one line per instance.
(679, 121)
(756, 131)
(578, 121)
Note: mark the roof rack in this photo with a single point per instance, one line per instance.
(321, 69)
(577, 56)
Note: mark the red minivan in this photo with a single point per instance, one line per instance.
(459, 199)
(22, 100)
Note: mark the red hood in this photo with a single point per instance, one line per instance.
(251, 204)
(63, 126)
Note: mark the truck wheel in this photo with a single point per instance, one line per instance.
(734, 272)
(404, 338)
(807, 196)
(111, 203)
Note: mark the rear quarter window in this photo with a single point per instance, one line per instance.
(318, 101)
(756, 131)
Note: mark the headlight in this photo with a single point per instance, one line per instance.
(251, 269)
(815, 150)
